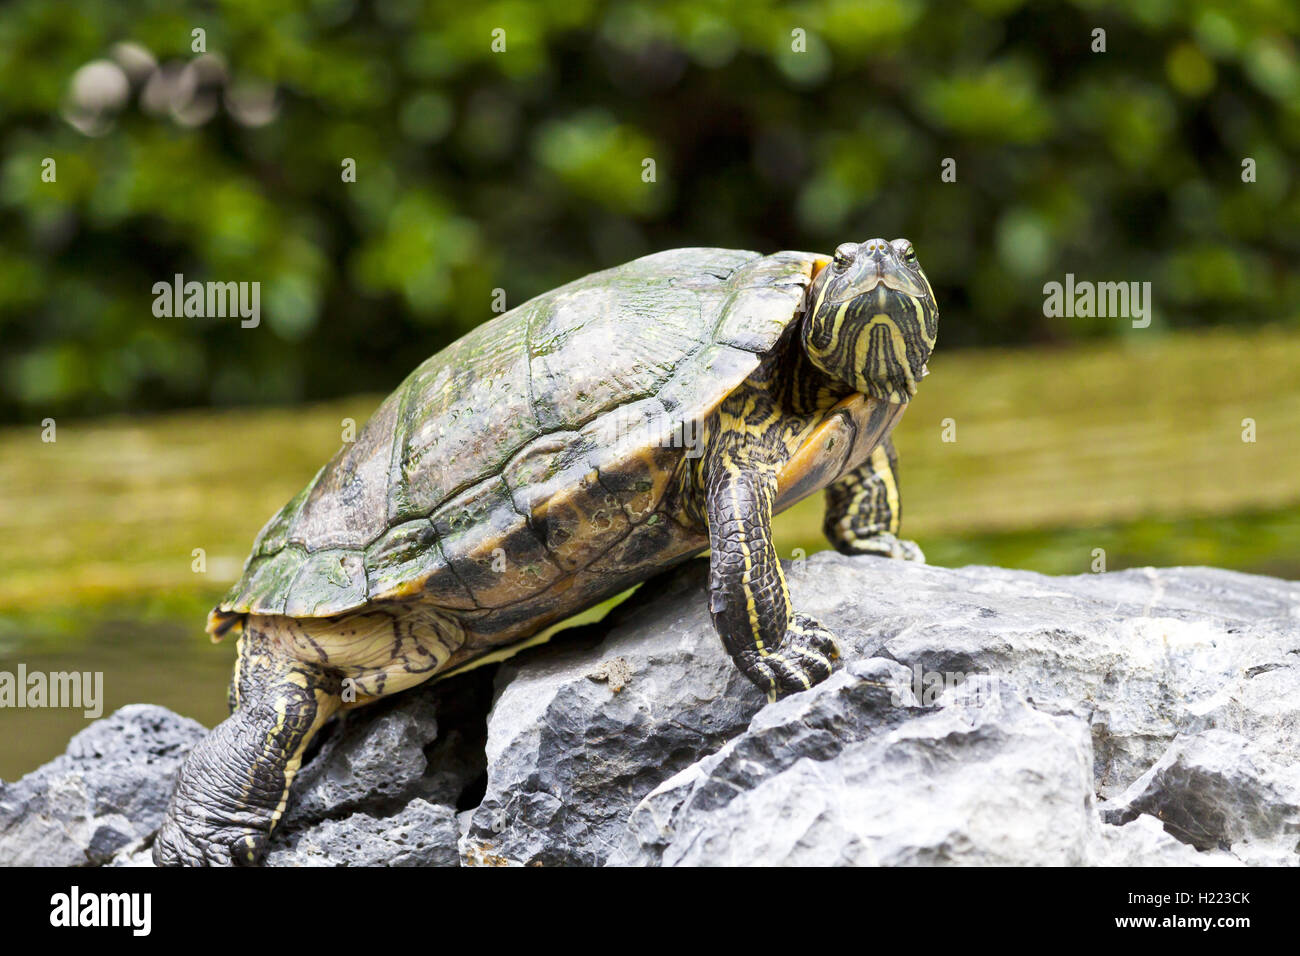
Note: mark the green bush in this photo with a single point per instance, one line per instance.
(519, 170)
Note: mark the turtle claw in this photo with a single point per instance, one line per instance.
(221, 845)
(889, 545)
(803, 660)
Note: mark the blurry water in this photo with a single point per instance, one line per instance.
(171, 663)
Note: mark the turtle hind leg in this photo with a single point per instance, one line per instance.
(234, 784)
(863, 510)
(291, 676)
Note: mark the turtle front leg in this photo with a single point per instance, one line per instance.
(233, 786)
(863, 511)
(780, 651)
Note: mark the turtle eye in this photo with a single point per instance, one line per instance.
(844, 254)
(909, 254)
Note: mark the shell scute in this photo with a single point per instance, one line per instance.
(346, 507)
(490, 547)
(396, 563)
(328, 583)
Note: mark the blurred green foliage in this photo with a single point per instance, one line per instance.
(522, 169)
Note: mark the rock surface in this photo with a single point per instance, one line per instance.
(107, 791)
(420, 834)
(979, 716)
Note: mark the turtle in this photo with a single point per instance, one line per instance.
(555, 456)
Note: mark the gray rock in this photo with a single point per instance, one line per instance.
(1137, 657)
(109, 789)
(1144, 842)
(1143, 655)
(420, 834)
(427, 743)
(423, 748)
(979, 715)
(370, 760)
(137, 853)
(1217, 790)
(571, 750)
(839, 776)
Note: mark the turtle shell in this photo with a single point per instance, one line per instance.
(514, 458)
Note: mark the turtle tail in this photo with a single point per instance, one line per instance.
(221, 623)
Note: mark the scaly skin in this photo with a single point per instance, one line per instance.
(778, 650)
(863, 510)
(755, 431)
(290, 677)
(234, 785)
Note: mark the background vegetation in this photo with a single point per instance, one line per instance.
(520, 170)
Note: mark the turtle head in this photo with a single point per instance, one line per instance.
(871, 321)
